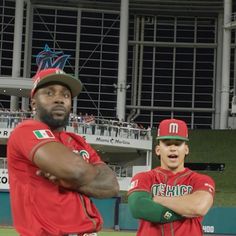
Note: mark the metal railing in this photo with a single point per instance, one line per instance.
(101, 127)
(121, 171)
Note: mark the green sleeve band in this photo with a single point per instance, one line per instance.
(143, 207)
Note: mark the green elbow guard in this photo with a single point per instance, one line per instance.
(143, 207)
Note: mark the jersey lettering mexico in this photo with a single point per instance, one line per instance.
(164, 183)
(39, 207)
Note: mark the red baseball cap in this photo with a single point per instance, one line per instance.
(58, 76)
(173, 129)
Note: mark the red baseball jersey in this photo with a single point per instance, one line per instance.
(39, 207)
(162, 182)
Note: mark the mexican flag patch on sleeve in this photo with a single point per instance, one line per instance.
(43, 133)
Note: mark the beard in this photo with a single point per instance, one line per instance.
(48, 119)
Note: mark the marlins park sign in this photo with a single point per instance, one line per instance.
(119, 142)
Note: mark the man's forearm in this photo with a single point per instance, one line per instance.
(190, 205)
(55, 159)
(103, 186)
(142, 206)
(176, 204)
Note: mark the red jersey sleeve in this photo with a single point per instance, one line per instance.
(141, 182)
(203, 182)
(27, 137)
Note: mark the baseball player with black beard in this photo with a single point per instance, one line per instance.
(53, 173)
(171, 200)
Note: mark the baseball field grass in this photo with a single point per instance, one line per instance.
(12, 232)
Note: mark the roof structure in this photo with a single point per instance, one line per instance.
(203, 7)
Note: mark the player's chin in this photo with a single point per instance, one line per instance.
(173, 164)
(59, 117)
(60, 120)
(60, 113)
(173, 160)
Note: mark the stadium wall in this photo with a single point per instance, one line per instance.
(217, 146)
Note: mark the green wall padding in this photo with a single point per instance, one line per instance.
(221, 220)
(126, 221)
(107, 209)
(5, 212)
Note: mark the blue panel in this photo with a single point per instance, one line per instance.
(220, 220)
(107, 209)
(126, 221)
(5, 212)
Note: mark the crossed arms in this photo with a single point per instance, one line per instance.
(168, 209)
(60, 165)
(191, 205)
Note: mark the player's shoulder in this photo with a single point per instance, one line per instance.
(77, 137)
(29, 124)
(196, 173)
(200, 176)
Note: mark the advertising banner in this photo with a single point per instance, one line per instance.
(4, 180)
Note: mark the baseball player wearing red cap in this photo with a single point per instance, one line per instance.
(171, 199)
(53, 172)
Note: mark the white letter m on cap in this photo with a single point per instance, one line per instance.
(173, 128)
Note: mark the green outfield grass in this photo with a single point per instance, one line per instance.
(12, 232)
